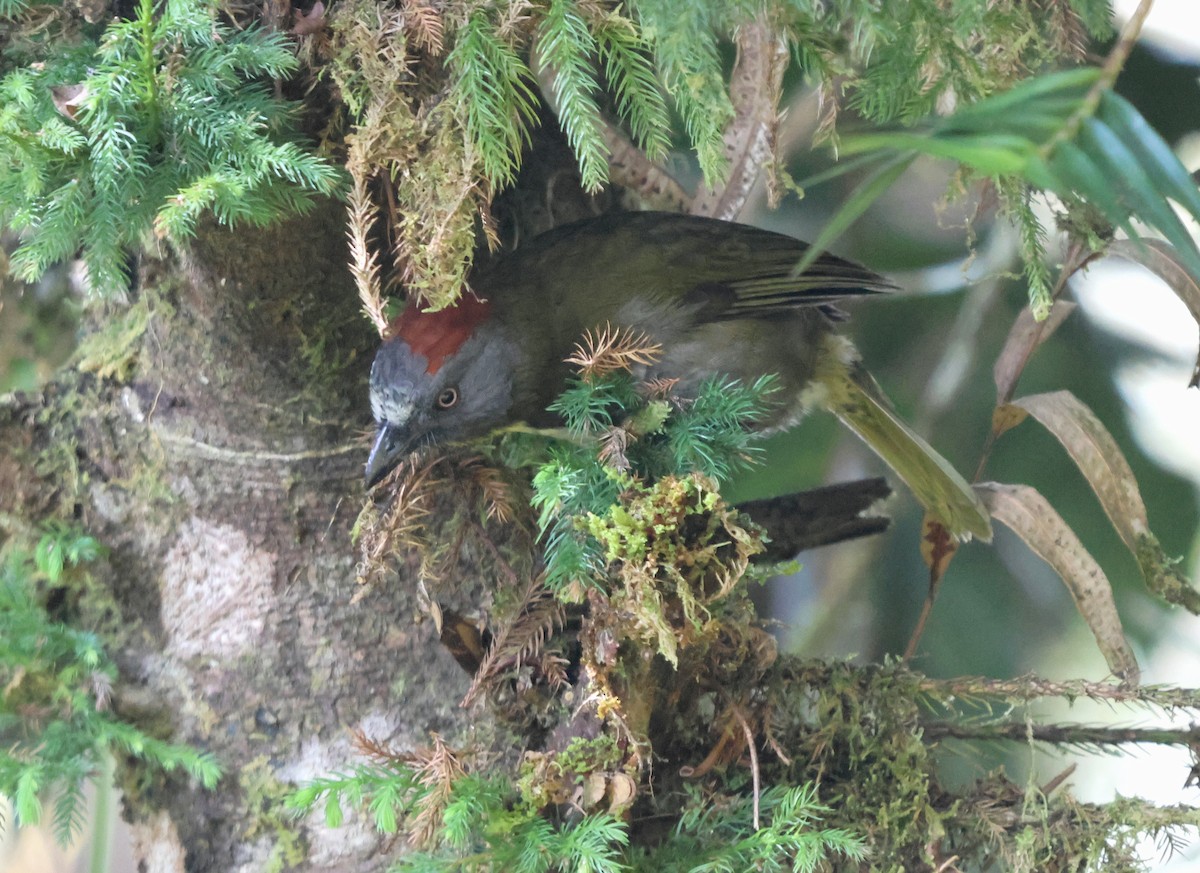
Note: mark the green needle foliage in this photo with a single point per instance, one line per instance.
(494, 89)
(643, 439)
(164, 118)
(565, 45)
(714, 837)
(56, 722)
(684, 39)
(487, 823)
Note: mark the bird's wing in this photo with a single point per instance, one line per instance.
(758, 271)
(739, 271)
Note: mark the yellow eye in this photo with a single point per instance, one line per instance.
(447, 398)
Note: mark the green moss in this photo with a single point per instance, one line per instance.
(112, 351)
(263, 797)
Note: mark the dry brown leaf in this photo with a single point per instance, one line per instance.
(1031, 517)
(68, 98)
(305, 23)
(1160, 258)
(1024, 337)
(937, 547)
(622, 791)
(1006, 416)
(1097, 456)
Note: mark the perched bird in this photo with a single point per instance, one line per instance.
(720, 298)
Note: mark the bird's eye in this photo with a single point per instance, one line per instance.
(447, 398)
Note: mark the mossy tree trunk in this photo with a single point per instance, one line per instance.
(219, 458)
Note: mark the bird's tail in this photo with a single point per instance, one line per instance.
(852, 395)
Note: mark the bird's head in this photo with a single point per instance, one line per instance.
(442, 376)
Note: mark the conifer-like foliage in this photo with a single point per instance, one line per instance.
(111, 135)
(643, 438)
(57, 726)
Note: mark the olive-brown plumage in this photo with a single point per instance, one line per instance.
(720, 298)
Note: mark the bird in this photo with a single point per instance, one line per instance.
(720, 298)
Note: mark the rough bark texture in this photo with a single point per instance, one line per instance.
(222, 471)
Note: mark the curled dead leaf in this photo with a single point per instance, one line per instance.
(68, 98)
(1026, 334)
(1031, 517)
(937, 547)
(622, 791)
(1097, 456)
(307, 23)
(1160, 258)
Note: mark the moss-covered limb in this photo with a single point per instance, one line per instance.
(863, 735)
(982, 691)
(1086, 736)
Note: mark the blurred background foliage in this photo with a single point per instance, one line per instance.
(1001, 611)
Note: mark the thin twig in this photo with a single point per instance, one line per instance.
(750, 138)
(754, 774)
(1061, 734)
(1113, 64)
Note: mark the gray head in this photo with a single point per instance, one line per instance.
(445, 376)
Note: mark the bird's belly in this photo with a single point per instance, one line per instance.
(747, 349)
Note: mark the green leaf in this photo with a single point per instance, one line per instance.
(1170, 176)
(871, 189)
(993, 154)
(1131, 179)
(333, 811)
(997, 109)
(49, 558)
(25, 798)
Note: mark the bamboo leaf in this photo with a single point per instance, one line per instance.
(1069, 84)
(1081, 175)
(1145, 200)
(1031, 517)
(1170, 176)
(993, 154)
(1097, 456)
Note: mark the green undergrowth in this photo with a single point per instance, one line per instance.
(57, 722)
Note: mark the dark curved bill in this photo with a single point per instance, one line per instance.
(386, 453)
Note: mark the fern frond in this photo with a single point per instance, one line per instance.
(493, 89)
(612, 349)
(566, 47)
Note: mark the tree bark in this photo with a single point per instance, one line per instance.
(221, 468)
